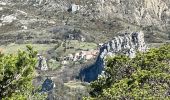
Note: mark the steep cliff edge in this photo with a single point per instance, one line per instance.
(127, 44)
(51, 24)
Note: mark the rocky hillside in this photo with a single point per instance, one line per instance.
(127, 44)
(98, 17)
(64, 29)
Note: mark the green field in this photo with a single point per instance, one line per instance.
(13, 48)
(42, 48)
(76, 46)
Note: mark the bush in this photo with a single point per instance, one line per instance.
(144, 77)
(16, 74)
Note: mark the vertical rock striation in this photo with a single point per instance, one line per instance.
(128, 44)
(143, 13)
(42, 63)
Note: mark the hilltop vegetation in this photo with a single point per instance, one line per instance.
(56, 31)
(16, 75)
(144, 77)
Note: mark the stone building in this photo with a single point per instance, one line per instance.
(75, 8)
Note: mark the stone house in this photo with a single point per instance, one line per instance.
(87, 55)
(76, 56)
(75, 8)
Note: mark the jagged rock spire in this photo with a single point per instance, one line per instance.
(128, 44)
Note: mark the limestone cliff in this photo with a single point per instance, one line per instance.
(51, 21)
(103, 16)
(127, 44)
(139, 12)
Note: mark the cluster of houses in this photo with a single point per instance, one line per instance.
(80, 56)
(83, 55)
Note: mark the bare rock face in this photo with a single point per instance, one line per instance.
(42, 63)
(127, 44)
(17, 16)
(139, 12)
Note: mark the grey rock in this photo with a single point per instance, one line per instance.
(42, 63)
(127, 44)
(130, 42)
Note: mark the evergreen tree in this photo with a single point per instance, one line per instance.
(144, 77)
(16, 74)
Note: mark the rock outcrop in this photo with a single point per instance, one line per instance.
(128, 44)
(106, 16)
(42, 63)
(138, 12)
(48, 85)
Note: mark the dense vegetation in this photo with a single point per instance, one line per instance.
(16, 75)
(144, 77)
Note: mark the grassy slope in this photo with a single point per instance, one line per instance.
(13, 48)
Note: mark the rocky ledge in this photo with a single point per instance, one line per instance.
(128, 44)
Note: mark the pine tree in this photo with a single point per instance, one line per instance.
(144, 77)
(16, 74)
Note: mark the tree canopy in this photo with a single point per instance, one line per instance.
(147, 76)
(16, 74)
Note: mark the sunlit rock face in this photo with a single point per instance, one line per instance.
(128, 44)
(42, 63)
(140, 12)
(144, 13)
